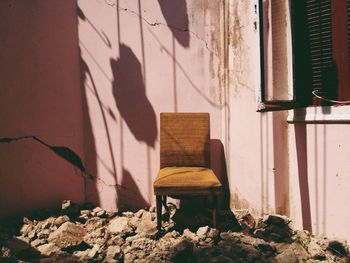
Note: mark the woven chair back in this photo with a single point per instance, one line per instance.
(184, 139)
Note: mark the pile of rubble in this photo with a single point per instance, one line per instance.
(78, 234)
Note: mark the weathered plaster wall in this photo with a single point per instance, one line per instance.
(141, 58)
(39, 96)
(320, 169)
(300, 170)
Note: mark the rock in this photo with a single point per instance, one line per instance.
(25, 229)
(131, 238)
(338, 247)
(93, 251)
(139, 213)
(152, 209)
(48, 249)
(113, 252)
(67, 235)
(47, 225)
(37, 242)
(315, 250)
(202, 232)
(189, 235)
(274, 228)
(32, 235)
(99, 212)
(44, 234)
(60, 220)
(85, 213)
(134, 222)
(128, 214)
(213, 233)
(120, 225)
(287, 256)
(247, 221)
(93, 223)
(147, 227)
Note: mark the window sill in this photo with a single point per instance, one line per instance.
(321, 114)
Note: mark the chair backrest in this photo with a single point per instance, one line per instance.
(184, 139)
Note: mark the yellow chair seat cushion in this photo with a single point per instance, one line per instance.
(177, 180)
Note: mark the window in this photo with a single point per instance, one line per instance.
(304, 53)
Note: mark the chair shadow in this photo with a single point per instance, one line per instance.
(194, 211)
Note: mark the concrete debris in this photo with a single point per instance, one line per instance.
(95, 235)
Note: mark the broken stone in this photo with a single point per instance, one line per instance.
(139, 213)
(37, 242)
(67, 235)
(93, 251)
(127, 242)
(25, 229)
(315, 250)
(190, 235)
(99, 212)
(287, 256)
(44, 234)
(113, 252)
(202, 232)
(147, 227)
(60, 220)
(128, 214)
(32, 235)
(48, 249)
(120, 225)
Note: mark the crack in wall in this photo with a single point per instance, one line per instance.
(66, 154)
(154, 24)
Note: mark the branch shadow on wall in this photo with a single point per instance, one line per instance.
(90, 155)
(130, 96)
(176, 17)
(136, 110)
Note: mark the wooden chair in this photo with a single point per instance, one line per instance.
(185, 160)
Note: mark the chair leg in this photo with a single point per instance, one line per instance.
(164, 199)
(215, 206)
(159, 212)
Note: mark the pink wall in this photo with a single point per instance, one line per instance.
(93, 76)
(40, 96)
(141, 58)
(300, 170)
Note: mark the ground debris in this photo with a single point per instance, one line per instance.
(91, 234)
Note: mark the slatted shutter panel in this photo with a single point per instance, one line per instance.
(319, 26)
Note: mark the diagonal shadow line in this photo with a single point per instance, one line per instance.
(212, 103)
(107, 109)
(87, 71)
(101, 34)
(95, 61)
